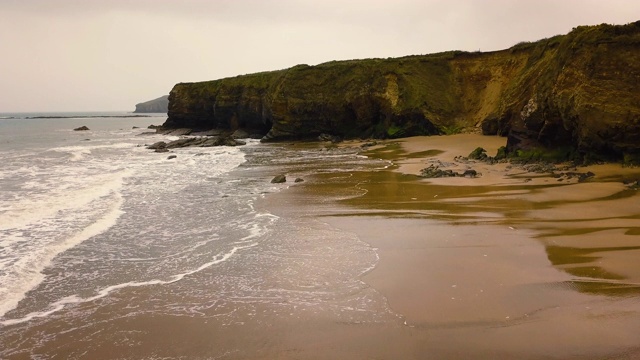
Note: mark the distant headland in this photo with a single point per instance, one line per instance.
(159, 105)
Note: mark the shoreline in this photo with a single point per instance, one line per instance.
(494, 265)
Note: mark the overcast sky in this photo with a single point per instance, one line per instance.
(83, 55)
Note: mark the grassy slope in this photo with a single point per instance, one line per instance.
(578, 90)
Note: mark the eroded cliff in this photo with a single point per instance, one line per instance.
(574, 95)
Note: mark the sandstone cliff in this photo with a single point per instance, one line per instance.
(574, 95)
(159, 105)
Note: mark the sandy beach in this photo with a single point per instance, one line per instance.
(364, 259)
(510, 265)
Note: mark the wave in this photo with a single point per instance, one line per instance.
(74, 299)
(26, 273)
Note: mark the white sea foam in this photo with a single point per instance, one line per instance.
(26, 273)
(74, 299)
(33, 209)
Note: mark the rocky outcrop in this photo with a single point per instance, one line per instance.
(159, 105)
(573, 95)
(203, 141)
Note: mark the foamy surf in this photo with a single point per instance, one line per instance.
(26, 273)
(75, 299)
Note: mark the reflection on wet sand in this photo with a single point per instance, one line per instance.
(536, 207)
(508, 265)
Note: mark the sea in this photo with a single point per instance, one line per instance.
(97, 231)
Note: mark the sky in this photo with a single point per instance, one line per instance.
(108, 55)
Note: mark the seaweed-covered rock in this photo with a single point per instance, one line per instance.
(478, 154)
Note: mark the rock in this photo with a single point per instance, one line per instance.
(540, 168)
(184, 142)
(501, 153)
(469, 173)
(81, 128)
(161, 150)
(478, 154)
(212, 132)
(157, 145)
(135, 127)
(154, 127)
(434, 171)
(279, 179)
(171, 157)
(233, 142)
(240, 134)
(298, 180)
(178, 132)
(326, 137)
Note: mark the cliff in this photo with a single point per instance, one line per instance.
(159, 105)
(574, 95)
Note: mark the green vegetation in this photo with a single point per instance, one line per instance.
(572, 96)
(502, 153)
(478, 154)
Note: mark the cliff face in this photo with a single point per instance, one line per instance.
(159, 105)
(578, 93)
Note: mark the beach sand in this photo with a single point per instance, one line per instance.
(509, 265)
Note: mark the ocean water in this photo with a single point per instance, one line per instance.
(91, 222)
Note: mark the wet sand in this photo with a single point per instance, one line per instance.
(509, 265)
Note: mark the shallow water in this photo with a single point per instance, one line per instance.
(101, 237)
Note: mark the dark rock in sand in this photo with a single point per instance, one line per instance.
(298, 180)
(161, 150)
(434, 171)
(172, 157)
(470, 173)
(81, 128)
(279, 179)
(327, 137)
(478, 154)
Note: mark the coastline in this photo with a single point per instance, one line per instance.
(510, 264)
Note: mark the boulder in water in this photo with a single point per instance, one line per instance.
(279, 179)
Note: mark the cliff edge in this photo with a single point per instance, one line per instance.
(159, 105)
(569, 96)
